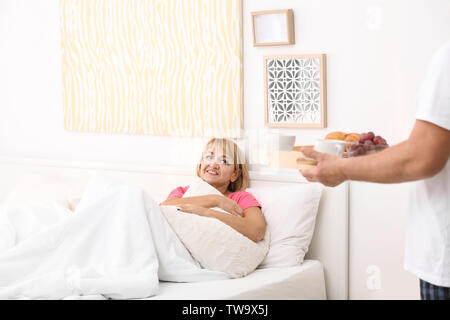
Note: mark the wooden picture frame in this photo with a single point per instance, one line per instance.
(273, 27)
(295, 91)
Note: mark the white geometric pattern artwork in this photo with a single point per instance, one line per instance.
(295, 91)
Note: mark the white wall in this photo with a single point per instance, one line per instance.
(31, 119)
(377, 53)
(375, 64)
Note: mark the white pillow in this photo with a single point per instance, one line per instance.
(97, 184)
(290, 213)
(214, 244)
(32, 187)
(199, 187)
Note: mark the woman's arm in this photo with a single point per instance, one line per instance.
(252, 225)
(208, 201)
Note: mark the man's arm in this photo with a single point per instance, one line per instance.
(423, 155)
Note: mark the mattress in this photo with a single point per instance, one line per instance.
(300, 282)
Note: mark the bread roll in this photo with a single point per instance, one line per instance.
(336, 135)
(306, 163)
(352, 137)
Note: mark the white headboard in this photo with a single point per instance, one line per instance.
(330, 240)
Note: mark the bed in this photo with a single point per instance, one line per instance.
(323, 274)
(301, 282)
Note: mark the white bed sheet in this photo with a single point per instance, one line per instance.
(293, 283)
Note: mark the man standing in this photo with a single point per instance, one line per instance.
(422, 158)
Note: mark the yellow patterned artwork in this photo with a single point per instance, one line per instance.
(159, 67)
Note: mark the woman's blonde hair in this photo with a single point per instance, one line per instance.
(239, 163)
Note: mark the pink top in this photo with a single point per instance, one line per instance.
(243, 199)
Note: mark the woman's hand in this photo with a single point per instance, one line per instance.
(192, 208)
(230, 206)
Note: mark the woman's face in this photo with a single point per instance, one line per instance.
(217, 168)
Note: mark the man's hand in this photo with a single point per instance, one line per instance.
(328, 170)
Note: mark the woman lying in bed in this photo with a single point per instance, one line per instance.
(223, 166)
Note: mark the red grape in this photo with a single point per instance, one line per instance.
(354, 146)
(360, 151)
(378, 139)
(362, 137)
(369, 145)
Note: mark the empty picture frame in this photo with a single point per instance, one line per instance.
(295, 90)
(273, 27)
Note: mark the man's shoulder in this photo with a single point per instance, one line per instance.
(442, 55)
(446, 46)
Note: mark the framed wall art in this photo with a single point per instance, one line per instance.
(295, 90)
(151, 67)
(273, 27)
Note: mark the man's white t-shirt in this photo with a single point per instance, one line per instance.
(427, 253)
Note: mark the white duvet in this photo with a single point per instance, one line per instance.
(116, 244)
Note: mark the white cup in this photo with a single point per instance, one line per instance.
(278, 142)
(334, 147)
(286, 143)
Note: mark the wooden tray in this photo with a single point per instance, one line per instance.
(299, 148)
(286, 159)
